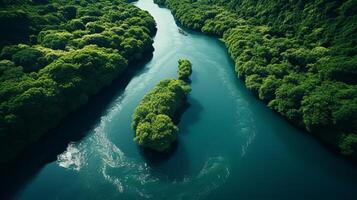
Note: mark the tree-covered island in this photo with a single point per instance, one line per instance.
(153, 118)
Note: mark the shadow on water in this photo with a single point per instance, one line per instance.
(173, 165)
(72, 129)
(179, 112)
(192, 116)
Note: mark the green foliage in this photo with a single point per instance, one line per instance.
(152, 119)
(40, 1)
(297, 56)
(63, 63)
(29, 58)
(75, 24)
(348, 144)
(157, 133)
(331, 105)
(184, 69)
(338, 68)
(54, 39)
(97, 39)
(95, 27)
(8, 51)
(268, 88)
(9, 71)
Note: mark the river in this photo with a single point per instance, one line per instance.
(231, 146)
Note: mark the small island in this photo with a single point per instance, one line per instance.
(184, 69)
(153, 118)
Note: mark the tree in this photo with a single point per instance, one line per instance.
(184, 69)
(75, 24)
(268, 88)
(30, 59)
(55, 39)
(158, 134)
(95, 27)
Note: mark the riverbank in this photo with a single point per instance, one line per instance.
(284, 70)
(58, 64)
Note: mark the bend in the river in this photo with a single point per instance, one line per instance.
(230, 145)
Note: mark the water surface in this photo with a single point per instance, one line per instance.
(231, 146)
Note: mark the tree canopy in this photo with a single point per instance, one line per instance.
(55, 54)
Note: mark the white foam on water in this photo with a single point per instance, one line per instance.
(72, 158)
(115, 181)
(132, 176)
(243, 115)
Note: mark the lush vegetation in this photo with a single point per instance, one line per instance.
(297, 56)
(153, 118)
(184, 69)
(55, 54)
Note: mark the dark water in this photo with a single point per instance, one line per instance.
(231, 146)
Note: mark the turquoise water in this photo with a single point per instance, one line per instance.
(231, 146)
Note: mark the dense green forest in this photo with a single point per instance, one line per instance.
(297, 56)
(55, 54)
(153, 119)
